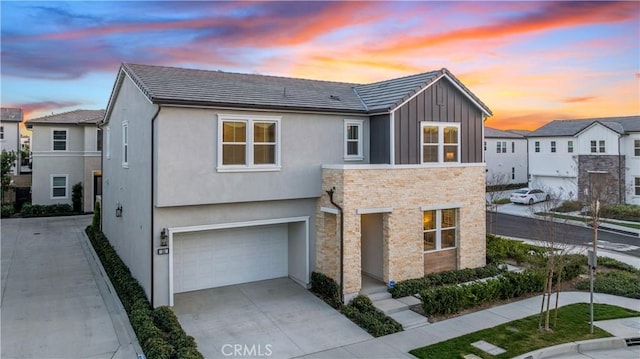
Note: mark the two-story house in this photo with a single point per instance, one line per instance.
(216, 178)
(564, 155)
(10, 120)
(505, 153)
(66, 149)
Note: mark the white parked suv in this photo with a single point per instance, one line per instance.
(529, 196)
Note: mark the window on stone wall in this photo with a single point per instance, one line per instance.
(440, 229)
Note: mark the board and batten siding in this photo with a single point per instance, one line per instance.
(441, 102)
(379, 137)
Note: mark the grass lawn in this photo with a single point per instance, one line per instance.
(522, 336)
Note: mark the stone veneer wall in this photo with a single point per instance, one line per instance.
(404, 190)
(613, 181)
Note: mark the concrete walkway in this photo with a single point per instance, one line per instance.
(399, 344)
(57, 302)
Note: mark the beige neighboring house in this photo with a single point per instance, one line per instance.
(66, 149)
(10, 132)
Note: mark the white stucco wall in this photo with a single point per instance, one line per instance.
(632, 164)
(501, 165)
(11, 140)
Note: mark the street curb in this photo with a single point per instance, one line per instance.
(126, 336)
(575, 348)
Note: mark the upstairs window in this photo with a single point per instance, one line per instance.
(537, 146)
(553, 146)
(485, 145)
(99, 140)
(637, 185)
(601, 147)
(501, 147)
(125, 144)
(594, 146)
(108, 143)
(353, 140)
(513, 147)
(570, 146)
(440, 142)
(513, 173)
(248, 143)
(439, 229)
(59, 140)
(1, 132)
(636, 148)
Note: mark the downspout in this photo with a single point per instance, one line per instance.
(153, 121)
(330, 193)
(620, 174)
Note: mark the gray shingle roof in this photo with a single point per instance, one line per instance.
(573, 127)
(72, 117)
(494, 133)
(11, 114)
(171, 85)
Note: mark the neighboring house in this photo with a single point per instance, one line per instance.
(564, 154)
(505, 154)
(10, 132)
(216, 178)
(66, 149)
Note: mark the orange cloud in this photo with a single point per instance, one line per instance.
(579, 99)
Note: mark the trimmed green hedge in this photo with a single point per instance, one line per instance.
(500, 249)
(38, 210)
(616, 282)
(416, 285)
(158, 332)
(362, 312)
(568, 206)
(7, 210)
(616, 264)
(326, 288)
(625, 212)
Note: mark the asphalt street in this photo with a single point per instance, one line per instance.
(530, 228)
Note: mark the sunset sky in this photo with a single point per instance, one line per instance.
(530, 62)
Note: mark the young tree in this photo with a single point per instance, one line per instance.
(8, 160)
(76, 197)
(494, 181)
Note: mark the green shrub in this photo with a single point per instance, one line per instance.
(95, 221)
(76, 197)
(362, 312)
(37, 210)
(625, 212)
(158, 331)
(326, 288)
(416, 285)
(568, 206)
(616, 264)
(616, 282)
(500, 249)
(7, 210)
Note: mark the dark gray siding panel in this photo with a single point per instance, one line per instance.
(379, 138)
(441, 102)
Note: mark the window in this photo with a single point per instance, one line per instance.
(513, 147)
(601, 146)
(537, 145)
(248, 143)
(99, 140)
(636, 148)
(485, 145)
(594, 146)
(513, 173)
(440, 142)
(501, 147)
(553, 146)
(59, 140)
(125, 144)
(570, 146)
(58, 186)
(439, 229)
(637, 186)
(1, 132)
(353, 140)
(108, 143)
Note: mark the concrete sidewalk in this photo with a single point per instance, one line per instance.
(399, 344)
(56, 299)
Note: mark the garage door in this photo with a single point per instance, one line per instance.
(561, 187)
(217, 258)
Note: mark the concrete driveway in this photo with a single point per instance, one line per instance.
(273, 318)
(55, 298)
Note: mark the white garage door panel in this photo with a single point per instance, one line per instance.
(217, 258)
(561, 187)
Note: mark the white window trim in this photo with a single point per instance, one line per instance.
(107, 142)
(360, 125)
(634, 187)
(635, 147)
(438, 229)
(553, 146)
(99, 138)
(66, 139)
(249, 166)
(570, 145)
(125, 144)
(536, 146)
(66, 186)
(441, 143)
